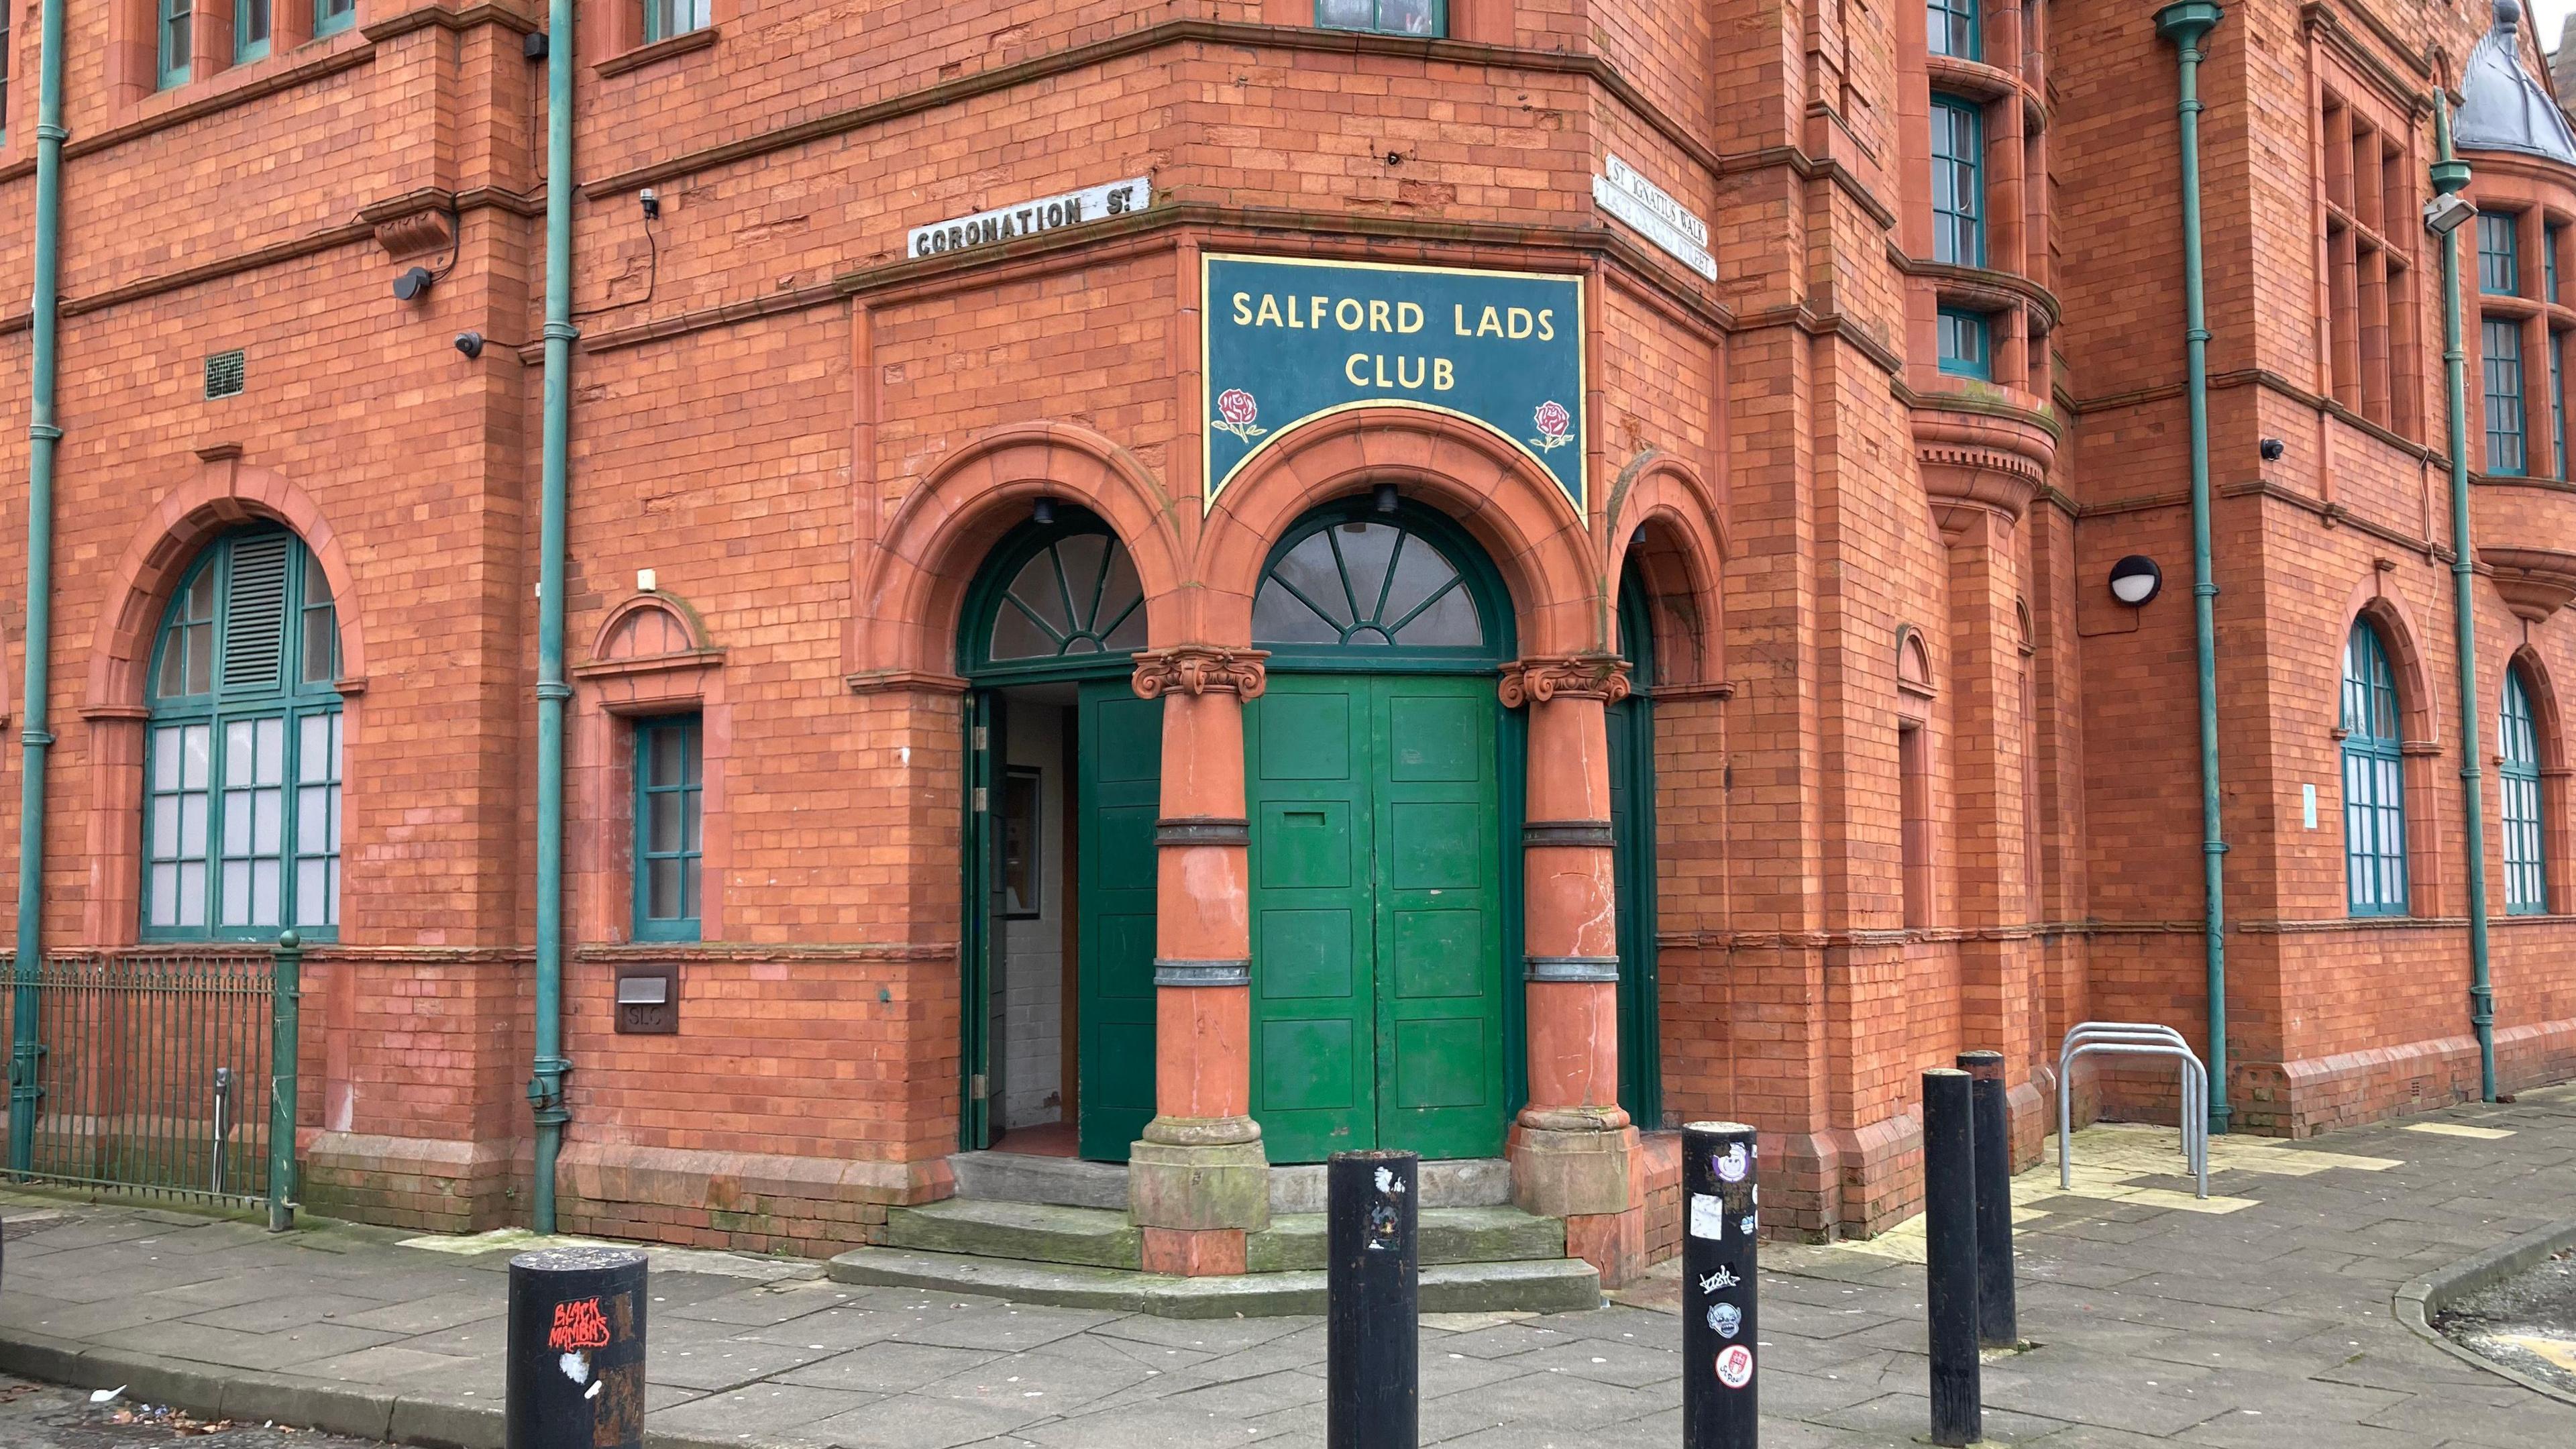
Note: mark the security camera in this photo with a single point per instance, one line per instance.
(470, 343)
(652, 204)
(2272, 449)
(2444, 215)
(412, 285)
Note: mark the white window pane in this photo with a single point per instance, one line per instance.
(313, 748)
(312, 819)
(335, 823)
(334, 917)
(268, 836)
(165, 826)
(312, 892)
(196, 754)
(272, 751)
(335, 746)
(237, 753)
(236, 909)
(192, 826)
(165, 895)
(165, 758)
(236, 822)
(264, 877)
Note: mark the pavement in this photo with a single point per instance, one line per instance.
(2261, 1316)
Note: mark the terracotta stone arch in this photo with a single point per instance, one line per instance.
(649, 626)
(1667, 520)
(1512, 507)
(225, 495)
(914, 583)
(2419, 720)
(2432, 885)
(2549, 723)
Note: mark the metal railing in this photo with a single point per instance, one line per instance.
(158, 1071)
(2135, 1038)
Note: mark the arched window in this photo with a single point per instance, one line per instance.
(2374, 787)
(2526, 888)
(241, 814)
(1359, 578)
(1072, 596)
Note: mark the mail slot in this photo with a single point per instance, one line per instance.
(648, 1000)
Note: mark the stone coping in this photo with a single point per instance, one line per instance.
(2417, 1302)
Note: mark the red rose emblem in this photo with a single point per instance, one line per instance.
(1236, 406)
(1555, 425)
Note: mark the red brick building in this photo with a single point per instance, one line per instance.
(1192, 585)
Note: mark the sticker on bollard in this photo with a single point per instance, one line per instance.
(1372, 1334)
(576, 1351)
(1720, 1401)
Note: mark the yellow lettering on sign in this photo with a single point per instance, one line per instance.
(1522, 324)
(1547, 324)
(1458, 312)
(1489, 325)
(1442, 377)
(1351, 369)
(1408, 316)
(1269, 312)
(1242, 309)
(1403, 381)
(1378, 317)
(1348, 314)
(1319, 311)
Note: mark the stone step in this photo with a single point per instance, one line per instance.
(1556, 1285)
(1039, 1232)
(1021, 1177)
(1458, 1182)
(1295, 1241)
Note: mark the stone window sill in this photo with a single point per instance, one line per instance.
(660, 50)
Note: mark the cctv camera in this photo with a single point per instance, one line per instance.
(2272, 449)
(470, 343)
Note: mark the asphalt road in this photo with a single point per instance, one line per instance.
(2527, 1322)
(45, 1416)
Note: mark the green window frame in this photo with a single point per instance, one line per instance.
(251, 25)
(1952, 29)
(1958, 181)
(330, 17)
(176, 22)
(2549, 261)
(242, 752)
(2501, 341)
(1421, 19)
(1355, 586)
(1055, 600)
(2526, 883)
(670, 844)
(2499, 254)
(2374, 779)
(666, 18)
(1966, 344)
(5, 59)
(2557, 404)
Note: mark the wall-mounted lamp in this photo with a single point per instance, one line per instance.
(2444, 215)
(2272, 449)
(2135, 580)
(413, 285)
(1042, 512)
(1382, 498)
(652, 204)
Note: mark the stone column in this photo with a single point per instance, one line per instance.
(1199, 1179)
(1574, 1153)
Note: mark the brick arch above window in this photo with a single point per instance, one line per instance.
(654, 626)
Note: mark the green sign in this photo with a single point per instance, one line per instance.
(1286, 342)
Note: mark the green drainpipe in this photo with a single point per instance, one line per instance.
(2450, 174)
(42, 434)
(545, 1089)
(2185, 23)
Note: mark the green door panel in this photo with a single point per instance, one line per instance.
(1377, 903)
(1631, 727)
(1120, 793)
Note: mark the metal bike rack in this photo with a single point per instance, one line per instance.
(2136, 1038)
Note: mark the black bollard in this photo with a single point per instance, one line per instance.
(576, 1373)
(1373, 1300)
(1720, 1224)
(1950, 1255)
(1996, 1325)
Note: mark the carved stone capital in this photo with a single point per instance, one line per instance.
(1569, 676)
(1201, 669)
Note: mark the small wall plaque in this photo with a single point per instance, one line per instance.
(648, 1000)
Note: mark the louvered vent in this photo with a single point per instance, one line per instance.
(224, 374)
(255, 614)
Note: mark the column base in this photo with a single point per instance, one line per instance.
(1185, 1253)
(1569, 1174)
(1214, 1178)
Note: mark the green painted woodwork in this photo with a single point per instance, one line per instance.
(979, 947)
(1631, 725)
(1119, 792)
(1377, 915)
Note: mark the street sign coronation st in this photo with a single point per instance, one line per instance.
(1286, 341)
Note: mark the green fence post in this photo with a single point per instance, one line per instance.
(286, 998)
(24, 1052)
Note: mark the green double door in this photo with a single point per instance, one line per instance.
(1377, 915)
(1118, 792)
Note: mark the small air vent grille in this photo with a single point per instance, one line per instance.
(224, 374)
(255, 625)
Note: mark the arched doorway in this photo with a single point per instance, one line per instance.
(1381, 775)
(1631, 728)
(1064, 773)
